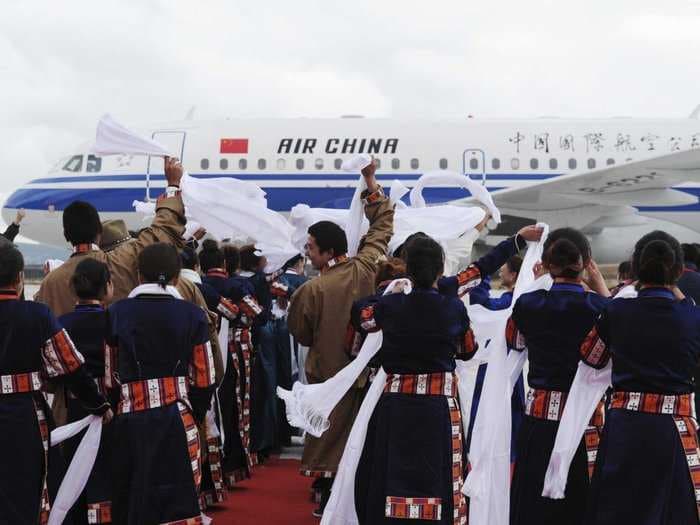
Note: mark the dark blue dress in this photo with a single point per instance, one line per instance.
(161, 357)
(551, 325)
(649, 446)
(411, 464)
(87, 326)
(34, 349)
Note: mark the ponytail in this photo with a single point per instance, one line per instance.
(425, 261)
(657, 263)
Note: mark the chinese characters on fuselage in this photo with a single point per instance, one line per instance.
(595, 142)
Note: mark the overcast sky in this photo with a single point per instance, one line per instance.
(63, 64)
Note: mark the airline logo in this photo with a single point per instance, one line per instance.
(234, 146)
(311, 146)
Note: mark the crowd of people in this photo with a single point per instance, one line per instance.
(179, 346)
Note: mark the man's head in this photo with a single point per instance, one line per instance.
(81, 223)
(510, 270)
(326, 241)
(624, 271)
(11, 268)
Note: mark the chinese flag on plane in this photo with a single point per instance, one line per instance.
(234, 146)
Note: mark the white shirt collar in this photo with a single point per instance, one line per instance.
(191, 275)
(154, 289)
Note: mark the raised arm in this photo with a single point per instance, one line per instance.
(380, 213)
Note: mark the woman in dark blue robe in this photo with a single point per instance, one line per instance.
(647, 469)
(160, 354)
(34, 350)
(87, 327)
(552, 324)
(234, 392)
(413, 462)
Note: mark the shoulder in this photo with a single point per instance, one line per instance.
(37, 309)
(598, 301)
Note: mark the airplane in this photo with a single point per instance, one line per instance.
(615, 179)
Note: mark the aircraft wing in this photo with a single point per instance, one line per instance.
(613, 196)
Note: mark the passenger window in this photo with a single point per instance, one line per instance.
(515, 163)
(338, 164)
(204, 164)
(318, 164)
(262, 164)
(591, 164)
(534, 164)
(242, 164)
(395, 164)
(281, 164)
(94, 164)
(223, 164)
(572, 164)
(443, 164)
(414, 164)
(496, 164)
(553, 164)
(473, 164)
(610, 162)
(300, 164)
(74, 164)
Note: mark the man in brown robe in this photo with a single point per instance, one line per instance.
(319, 313)
(82, 228)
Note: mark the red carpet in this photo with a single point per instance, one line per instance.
(276, 494)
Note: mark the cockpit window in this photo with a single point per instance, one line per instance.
(74, 164)
(94, 164)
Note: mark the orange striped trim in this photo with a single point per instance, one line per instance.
(218, 494)
(227, 309)
(688, 432)
(279, 289)
(20, 383)
(8, 295)
(545, 404)
(152, 393)
(468, 279)
(45, 505)
(413, 508)
(201, 370)
(326, 474)
(514, 338)
(434, 384)
(99, 512)
(192, 435)
(594, 352)
(241, 342)
(336, 261)
(217, 272)
(459, 502)
(60, 356)
(675, 405)
(79, 249)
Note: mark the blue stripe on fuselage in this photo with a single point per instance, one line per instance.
(279, 199)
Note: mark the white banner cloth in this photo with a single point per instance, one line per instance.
(112, 138)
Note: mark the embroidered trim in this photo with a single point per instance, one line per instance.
(227, 309)
(79, 249)
(458, 499)
(60, 356)
(367, 321)
(467, 280)
(413, 508)
(20, 383)
(336, 261)
(434, 384)
(241, 342)
(326, 474)
(218, 494)
(236, 476)
(8, 295)
(373, 197)
(594, 352)
(279, 289)
(99, 512)
(45, 505)
(545, 404)
(217, 272)
(201, 369)
(688, 432)
(192, 435)
(152, 393)
(679, 405)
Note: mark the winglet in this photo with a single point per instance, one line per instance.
(696, 112)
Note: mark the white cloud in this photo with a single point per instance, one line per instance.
(66, 63)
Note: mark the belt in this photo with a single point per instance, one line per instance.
(20, 383)
(432, 384)
(675, 405)
(545, 404)
(152, 393)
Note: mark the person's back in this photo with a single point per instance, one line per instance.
(554, 324)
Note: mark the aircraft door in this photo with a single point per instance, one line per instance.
(173, 141)
(475, 165)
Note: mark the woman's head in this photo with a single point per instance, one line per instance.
(425, 261)
(232, 258)
(189, 258)
(657, 259)
(159, 263)
(11, 267)
(566, 253)
(250, 260)
(92, 281)
(510, 270)
(392, 268)
(211, 256)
